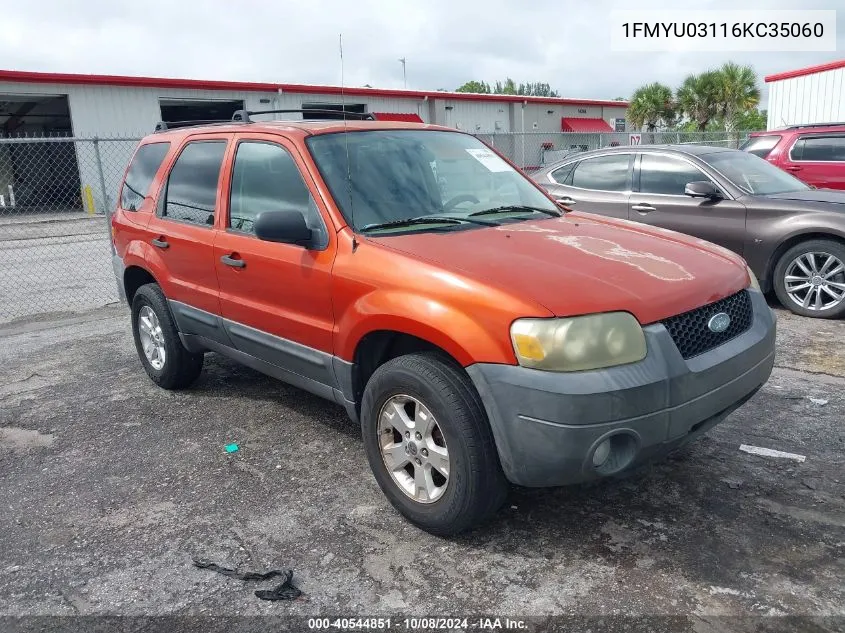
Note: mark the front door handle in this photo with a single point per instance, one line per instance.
(232, 261)
(643, 208)
(160, 242)
(793, 168)
(566, 200)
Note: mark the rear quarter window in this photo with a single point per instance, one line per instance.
(139, 177)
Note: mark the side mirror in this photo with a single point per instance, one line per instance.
(286, 227)
(702, 189)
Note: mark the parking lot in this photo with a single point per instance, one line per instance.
(110, 486)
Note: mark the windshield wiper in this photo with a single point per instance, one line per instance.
(515, 207)
(425, 219)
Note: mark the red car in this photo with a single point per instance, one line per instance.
(814, 153)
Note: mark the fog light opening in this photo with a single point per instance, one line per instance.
(601, 454)
(614, 453)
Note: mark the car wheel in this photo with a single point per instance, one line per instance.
(165, 359)
(429, 444)
(809, 279)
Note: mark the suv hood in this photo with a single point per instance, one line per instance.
(580, 264)
(833, 196)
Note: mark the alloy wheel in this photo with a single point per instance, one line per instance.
(152, 338)
(815, 281)
(413, 448)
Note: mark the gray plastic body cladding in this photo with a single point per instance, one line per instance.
(119, 269)
(546, 423)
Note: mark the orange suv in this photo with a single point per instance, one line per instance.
(478, 332)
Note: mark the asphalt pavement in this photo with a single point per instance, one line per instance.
(109, 487)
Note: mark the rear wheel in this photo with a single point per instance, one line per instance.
(165, 359)
(809, 279)
(429, 444)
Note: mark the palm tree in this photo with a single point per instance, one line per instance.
(698, 98)
(738, 93)
(651, 105)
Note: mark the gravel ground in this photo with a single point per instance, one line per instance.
(110, 486)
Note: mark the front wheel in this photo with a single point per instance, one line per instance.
(809, 279)
(429, 444)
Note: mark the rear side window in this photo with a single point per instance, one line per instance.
(822, 149)
(760, 145)
(192, 185)
(140, 176)
(667, 175)
(563, 175)
(603, 173)
(265, 178)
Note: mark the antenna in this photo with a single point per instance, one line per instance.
(346, 140)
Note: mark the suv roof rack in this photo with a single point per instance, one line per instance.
(243, 116)
(806, 125)
(162, 126)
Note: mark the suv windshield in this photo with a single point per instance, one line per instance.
(760, 145)
(394, 179)
(752, 174)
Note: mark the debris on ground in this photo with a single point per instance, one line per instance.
(232, 448)
(733, 484)
(284, 591)
(812, 484)
(819, 401)
(770, 452)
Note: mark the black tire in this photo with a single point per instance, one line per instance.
(830, 247)
(181, 367)
(476, 487)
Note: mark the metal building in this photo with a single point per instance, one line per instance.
(59, 175)
(807, 95)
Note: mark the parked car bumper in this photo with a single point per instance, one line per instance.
(550, 427)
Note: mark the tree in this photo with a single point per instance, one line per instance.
(650, 106)
(507, 88)
(752, 120)
(737, 93)
(698, 98)
(475, 86)
(536, 89)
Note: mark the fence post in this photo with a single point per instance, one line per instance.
(105, 196)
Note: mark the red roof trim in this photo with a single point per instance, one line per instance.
(246, 86)
(810, 70)
(575, 124)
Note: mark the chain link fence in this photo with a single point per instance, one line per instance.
(533, 150)
(57, 193)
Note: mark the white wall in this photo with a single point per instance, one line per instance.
(816, 98)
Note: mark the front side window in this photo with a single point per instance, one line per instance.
(266, 178)
(760, 145)
(563, 175)
(667, 175)
(191, 194)
(821, 149)
(753, 174)
(396, 176)
(603, 173)
(140, 175)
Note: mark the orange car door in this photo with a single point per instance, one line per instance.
(275, 298)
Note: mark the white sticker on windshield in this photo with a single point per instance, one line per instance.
(490, 160)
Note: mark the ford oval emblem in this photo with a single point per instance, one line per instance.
(719, 322)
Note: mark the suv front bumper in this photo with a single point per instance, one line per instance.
(549, 425)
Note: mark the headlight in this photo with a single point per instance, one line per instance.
(578, 343)
(754, 283)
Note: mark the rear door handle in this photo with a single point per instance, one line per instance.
(231, 261)
(566, 200)
(160, 242)
(643, 208)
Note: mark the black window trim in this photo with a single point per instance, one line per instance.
(681, 157)
(158, 169)
(162, 198)
(628, 181)
(804, 137)
(253, 139)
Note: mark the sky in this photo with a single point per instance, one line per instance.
(565, 43)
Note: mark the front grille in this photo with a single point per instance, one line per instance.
(692, 334)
